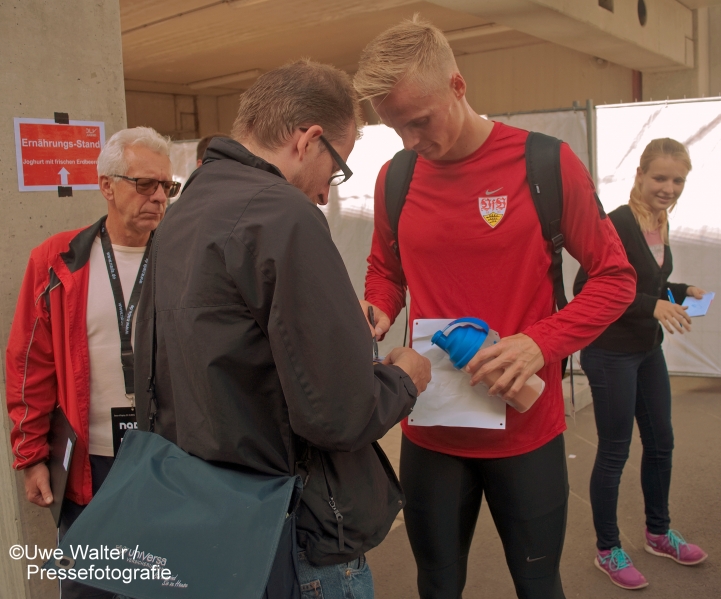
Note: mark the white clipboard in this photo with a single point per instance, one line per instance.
(449, 399)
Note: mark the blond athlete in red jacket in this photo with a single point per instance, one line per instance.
(458, 259)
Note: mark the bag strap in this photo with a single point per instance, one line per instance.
(153, 402)
(398, 181)
(543, 170)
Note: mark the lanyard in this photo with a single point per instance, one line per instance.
(125, 314)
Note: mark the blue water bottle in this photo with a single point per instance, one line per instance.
(462, 339)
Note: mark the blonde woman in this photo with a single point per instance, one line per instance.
(627, 370)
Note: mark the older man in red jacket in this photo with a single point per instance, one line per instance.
(71, 339)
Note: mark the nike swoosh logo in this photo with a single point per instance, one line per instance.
(535, 559)
(494, 191)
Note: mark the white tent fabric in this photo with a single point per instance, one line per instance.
(182, 158)
(350, 212)
(568, 125)
(623, 131)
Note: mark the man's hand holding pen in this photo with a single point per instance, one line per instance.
(410, 361)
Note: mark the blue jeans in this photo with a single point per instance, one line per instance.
(625, 386)
(351, 580)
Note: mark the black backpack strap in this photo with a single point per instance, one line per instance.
(398, 180)
(543, 169)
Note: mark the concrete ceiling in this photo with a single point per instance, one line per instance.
(644, 35)
(176, 46)
(699, 3)
(169, 45)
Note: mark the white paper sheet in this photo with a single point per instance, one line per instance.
(449, 399)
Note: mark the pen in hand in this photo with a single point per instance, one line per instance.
(670, 296)
(372, 320)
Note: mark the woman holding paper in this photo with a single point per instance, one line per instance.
(627, 370)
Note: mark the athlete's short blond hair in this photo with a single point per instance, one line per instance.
(414, 49)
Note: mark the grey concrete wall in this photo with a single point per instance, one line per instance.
(704, 79)
(714, 50)
(227, 111)
(538, 76)
(152, 110)
(182, 116)
(176, 115)
(541, 76)
(207, 107)
(56, 57)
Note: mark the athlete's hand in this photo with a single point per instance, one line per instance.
(37, 485)
(413, 364)
(695, 292)
(518, 356)
(672, 316)
(383, 323)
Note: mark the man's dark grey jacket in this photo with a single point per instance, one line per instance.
(264, 358)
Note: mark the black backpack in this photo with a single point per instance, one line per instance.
(543, 171)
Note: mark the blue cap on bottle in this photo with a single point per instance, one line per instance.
(461, 339)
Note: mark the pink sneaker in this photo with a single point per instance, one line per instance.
(673, 545)
(619, 567)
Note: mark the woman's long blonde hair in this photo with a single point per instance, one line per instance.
(657, 148)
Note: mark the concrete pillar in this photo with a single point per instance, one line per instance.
(57, 57)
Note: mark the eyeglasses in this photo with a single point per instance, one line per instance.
(147, 187)
(345, 174)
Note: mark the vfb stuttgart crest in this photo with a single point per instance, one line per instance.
(493, 209)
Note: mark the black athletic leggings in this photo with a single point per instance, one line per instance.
(528, 499)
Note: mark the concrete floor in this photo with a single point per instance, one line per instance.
(695, 505)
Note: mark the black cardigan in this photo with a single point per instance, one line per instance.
(637, 330)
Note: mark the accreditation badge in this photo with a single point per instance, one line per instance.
(492, 209)
(123, 420)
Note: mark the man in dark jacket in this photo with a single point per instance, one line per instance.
(264, 357)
